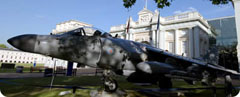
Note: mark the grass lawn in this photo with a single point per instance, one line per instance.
(93, 82)
(26, 67)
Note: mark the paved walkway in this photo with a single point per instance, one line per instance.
(20, 75)
(80, 72)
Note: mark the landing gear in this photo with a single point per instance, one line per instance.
(110, 85)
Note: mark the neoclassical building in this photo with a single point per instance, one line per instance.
(16, 56)
(69, 25)
(183, 34)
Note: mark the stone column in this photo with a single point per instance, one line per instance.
(237, 19)
(176, 41)
(133, 37)
(158, 38)
(196, 40)
(190, 42)
(130, 36)
(153, 39)
(127, 36)
(162, 39)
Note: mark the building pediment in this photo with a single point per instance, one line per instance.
(145, 11)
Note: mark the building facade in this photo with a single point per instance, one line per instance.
(69, 25)
(16, 56)
(225, 27)
(183, 34)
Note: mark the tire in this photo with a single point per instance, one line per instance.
(110, 85)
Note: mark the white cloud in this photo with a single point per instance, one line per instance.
(190, 9)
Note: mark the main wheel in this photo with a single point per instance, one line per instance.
(110, 85)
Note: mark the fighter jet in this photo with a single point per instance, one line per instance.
(140, 63)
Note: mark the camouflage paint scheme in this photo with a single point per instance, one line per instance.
(140, 62)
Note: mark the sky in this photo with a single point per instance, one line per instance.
(41, 16)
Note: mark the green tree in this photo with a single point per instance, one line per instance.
(3, 46)
(164, 3)
(228, 56)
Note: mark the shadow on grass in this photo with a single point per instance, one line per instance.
(93, 82)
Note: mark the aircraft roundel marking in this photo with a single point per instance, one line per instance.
(109, 50)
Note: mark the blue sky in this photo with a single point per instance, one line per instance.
(41, 16)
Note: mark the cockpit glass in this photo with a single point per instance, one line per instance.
(89, 31)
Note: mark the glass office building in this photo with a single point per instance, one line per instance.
(225, 28)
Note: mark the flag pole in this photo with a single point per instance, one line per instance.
(128, 27)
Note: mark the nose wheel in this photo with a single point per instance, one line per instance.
(110, 85)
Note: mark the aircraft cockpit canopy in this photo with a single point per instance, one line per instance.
(88, 31)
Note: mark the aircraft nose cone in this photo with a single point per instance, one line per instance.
(24, 42)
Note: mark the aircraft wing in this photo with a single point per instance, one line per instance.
(184, 62)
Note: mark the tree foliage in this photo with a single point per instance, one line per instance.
(228, 56)
(3, 46)
(164, 3)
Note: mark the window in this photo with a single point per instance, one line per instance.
(2, 56)
(171, 47)
(184, 47)
(1, 60)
